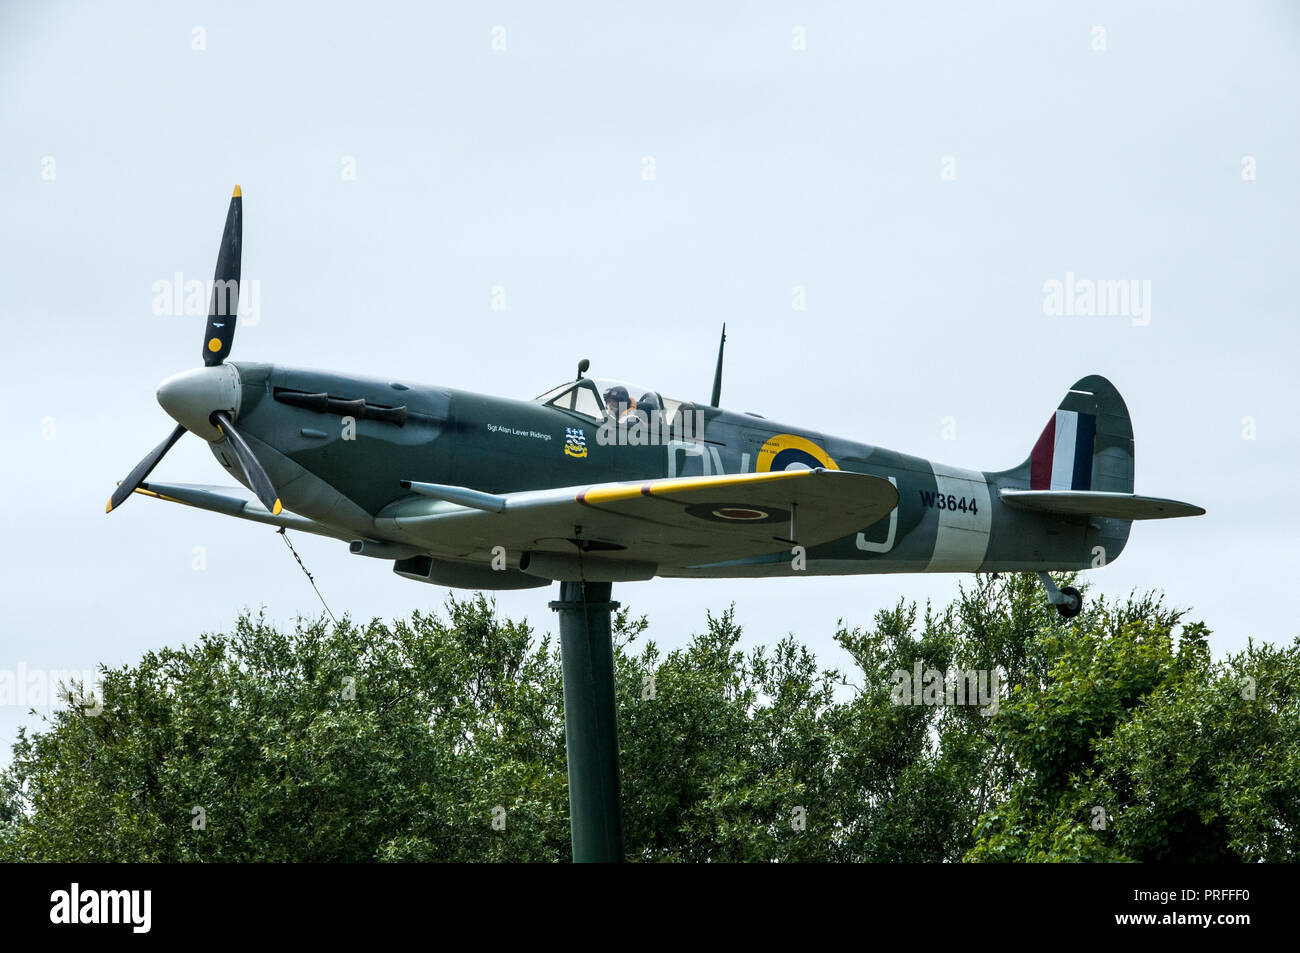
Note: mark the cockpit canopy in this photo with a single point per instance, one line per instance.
(600, 398)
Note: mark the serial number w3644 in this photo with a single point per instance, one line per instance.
(949, 501)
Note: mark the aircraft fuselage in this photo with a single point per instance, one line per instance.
(336, 450)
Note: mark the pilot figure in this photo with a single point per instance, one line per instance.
(618, 402)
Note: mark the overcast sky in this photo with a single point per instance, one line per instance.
(919, 171)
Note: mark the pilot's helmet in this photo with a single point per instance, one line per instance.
(618, 401)
(649, 402)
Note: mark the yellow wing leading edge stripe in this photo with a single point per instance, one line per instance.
(276, 511)
(661, 488)
(158, 496)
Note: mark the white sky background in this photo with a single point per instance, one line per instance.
(523, 168)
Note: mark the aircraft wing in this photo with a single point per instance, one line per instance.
(670, 522)
(228, 502)
(1121, 506)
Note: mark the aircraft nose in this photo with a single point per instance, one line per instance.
(191, 397)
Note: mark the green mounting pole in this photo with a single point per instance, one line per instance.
(590, 730)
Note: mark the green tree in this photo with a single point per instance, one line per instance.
(343, 743)
(728, 761)
(1116, 737)
(1138, 746)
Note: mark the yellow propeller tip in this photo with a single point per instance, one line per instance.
(108, 507)
(275, 510)
(237, 193)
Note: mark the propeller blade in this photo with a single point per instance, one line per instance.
(256, 475)
(224, 304)
(142, 470)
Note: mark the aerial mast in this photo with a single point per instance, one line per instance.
(717, 374)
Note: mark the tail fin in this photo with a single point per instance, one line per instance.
(1080, 473)
(1086, 445)
(1085, 450)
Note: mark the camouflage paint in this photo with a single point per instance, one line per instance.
(343, 472)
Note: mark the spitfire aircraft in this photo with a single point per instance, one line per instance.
(604, 481)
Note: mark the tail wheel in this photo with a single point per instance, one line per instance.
(1073, 604)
